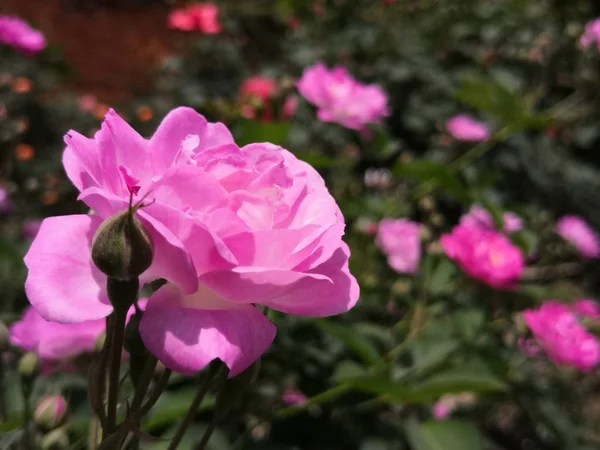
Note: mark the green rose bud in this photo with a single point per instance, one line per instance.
(30, 365)
(122, 248)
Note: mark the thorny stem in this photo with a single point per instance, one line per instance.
(213, 369)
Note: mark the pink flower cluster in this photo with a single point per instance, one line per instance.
(400, 240)
(561, 336)
(591, 34)
(18, 34)
(484, 254)
(575, 230)
(256, 99)
(466, 128)
(231, 228)
(203, 17)
(342, 99)
(479, 217)
(54, 342)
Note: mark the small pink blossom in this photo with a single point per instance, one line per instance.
(481, 218)
(87, 102)
(442, 409)
(203, 17)
(400, 240)
(293, 398)
(256, 95)
(18, 34)
(591, 34)
(576, 230)
(342, 99)
(466, 128)
(486, 255)
(562, 337)
(232, 228)
(50, 411)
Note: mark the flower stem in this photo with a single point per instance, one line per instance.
(114, 381)
(206, 437)
(213, 369)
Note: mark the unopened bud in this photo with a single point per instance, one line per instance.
(50, 412)
(122, 248)
(55, 440)
(30, 365)
(4, 338)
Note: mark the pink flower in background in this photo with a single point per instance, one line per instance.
(6, 205)
(400, 240)
(591, 34)
(486, 255)
(87, 102)
(442, 409)
(479, 217)
(292, 397)
(31, 228)
(576, 230)
(256, 94)
(264, 231)
(18, 34)
(203, 17)
(342, 99)
(448, 403)
(50, 411)
(54, 342)
(466, 128)
(586, 307)
(561, 336)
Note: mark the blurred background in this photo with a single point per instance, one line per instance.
(492, 115)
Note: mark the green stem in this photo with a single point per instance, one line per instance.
(114, 379)
(2, 399)
(213, 369)
(26, 390)
(206, 437)
(144, 383)
(156, 392)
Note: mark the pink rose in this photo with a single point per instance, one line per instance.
(50, 412)
(479, 217)
(559, 333)
(342, 99)
(55, 342)
(466, 128)
(400, 241)
(486, 255)
(203, 17)
(591, 34)
(256, 94)
(231, 228)
(18, 34)
(442, 409)
(580, 235)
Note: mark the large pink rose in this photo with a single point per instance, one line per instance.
(342, 99)
(485, 255)
(231, 227)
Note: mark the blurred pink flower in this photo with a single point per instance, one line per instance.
(591, 34)
(559, 333)
(480, 218)
(400, 240)
(87, 102)
(31, 228)
(265, 231)
(6, 204)
(342, 99)
(203, 17)
(292, 397)
(586, 307)
(54, 342)
(486, 255)
(18, 34)
(466, 128)
(576, 230)
(256, 94)
(442, 409)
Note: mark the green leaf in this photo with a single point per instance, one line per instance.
(251, 131)
(443, 435)
(430, 171)
(348, 370)
(441, 278)
(356, 342)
